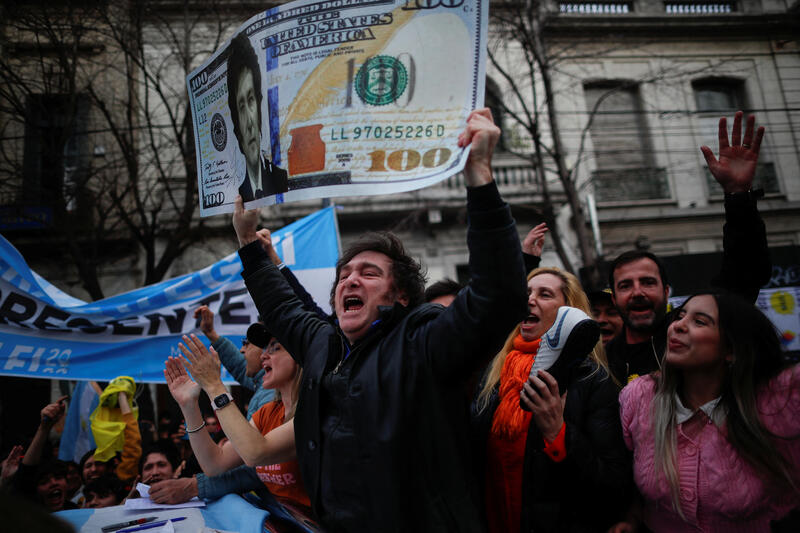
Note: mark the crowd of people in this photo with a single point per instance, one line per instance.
(425, 409)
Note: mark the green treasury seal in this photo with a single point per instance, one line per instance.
(381, 80)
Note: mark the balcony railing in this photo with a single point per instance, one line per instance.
(631, 184)
(699, 8)
(596, 8)
(511, 173)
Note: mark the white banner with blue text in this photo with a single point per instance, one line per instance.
(46, 333)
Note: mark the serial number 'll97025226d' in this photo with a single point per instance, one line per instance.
(413, 131)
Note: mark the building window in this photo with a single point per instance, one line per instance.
(624, 170)
(56, 157)
(718, 95)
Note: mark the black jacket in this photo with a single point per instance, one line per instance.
(382, 440)
(588, 490)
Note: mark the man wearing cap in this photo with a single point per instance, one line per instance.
(243, 364)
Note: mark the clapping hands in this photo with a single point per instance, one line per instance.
(183, 389)
(203, 363)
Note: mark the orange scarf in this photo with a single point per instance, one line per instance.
(509, 418)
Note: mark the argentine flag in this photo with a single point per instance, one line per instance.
(77, 437)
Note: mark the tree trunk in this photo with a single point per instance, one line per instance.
(578, 219)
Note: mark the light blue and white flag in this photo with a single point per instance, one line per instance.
(229, 513)
(77, 438)
(46, 333)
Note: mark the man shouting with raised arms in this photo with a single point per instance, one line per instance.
(380, 424)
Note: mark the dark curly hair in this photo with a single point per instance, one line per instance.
(241, 56)
(408, 277)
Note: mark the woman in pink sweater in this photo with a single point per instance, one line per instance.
(715, 434)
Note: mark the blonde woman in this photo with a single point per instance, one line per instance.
(563, 465)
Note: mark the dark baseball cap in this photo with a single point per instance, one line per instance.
(257, 334)
(598, 295)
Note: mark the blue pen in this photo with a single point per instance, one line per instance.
(154, 524)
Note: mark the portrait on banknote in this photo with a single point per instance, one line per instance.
(315, 99)
(262, 177)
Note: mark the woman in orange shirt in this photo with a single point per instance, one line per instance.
(280, 373)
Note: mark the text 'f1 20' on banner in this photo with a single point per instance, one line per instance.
(316, 99)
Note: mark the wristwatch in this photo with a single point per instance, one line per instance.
(752, 194)
(221, 401)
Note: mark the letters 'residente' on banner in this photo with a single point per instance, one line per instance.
(315, 99)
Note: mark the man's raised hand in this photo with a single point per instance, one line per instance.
(736, 166)
(481, 135)
(265, 236)
(245, 222)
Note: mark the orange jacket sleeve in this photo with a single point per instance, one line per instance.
(557, 450)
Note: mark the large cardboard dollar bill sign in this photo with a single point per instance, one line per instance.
(337, 98)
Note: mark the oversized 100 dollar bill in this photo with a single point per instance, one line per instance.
(343, 97)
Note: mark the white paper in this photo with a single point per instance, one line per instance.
(166, 528)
